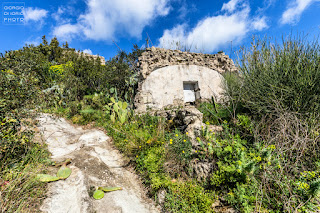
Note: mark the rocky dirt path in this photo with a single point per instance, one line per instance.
(94, 163)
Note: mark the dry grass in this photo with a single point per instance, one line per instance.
(297, 149)
(20, 191)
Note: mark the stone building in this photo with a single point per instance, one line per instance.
(102, 59)
(173, 78)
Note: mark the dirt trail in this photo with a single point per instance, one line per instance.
(94, 163)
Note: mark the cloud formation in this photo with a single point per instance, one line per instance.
(212, 33)
(34, 14)
(63, 11)
(295, 9)
(231, 5)
(88, 51)
(67, 32)
(36, 41)
(105, 19)
(260, 23)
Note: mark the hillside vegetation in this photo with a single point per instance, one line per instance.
(266, 159)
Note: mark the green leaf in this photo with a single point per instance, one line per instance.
(109, 189)
(120, 104)
(122, 118)
(228, 149)
(112, 117)
(64, 172)
(116, 107)
(47, 178)
(124, 105)
(98, 194)
(112, 100)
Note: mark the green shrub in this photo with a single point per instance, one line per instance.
(150, 164)
(188, 196)
(214, 113)
(178, 147)
(284, 75)
(139, 133)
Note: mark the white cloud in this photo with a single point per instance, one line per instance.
(34, 42)
(105, 19)
(66, 32)
(34, 14)
(88, 51)
(175, 38)
(294, 11)
(260, 23)
(63, 11)
(231, 5)
(212, 33)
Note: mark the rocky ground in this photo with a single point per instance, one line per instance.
(94, 163)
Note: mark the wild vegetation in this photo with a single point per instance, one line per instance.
(266, 159)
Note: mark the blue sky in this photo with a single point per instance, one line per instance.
(206, 26)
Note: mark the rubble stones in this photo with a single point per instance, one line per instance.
(155, 58)
(201, 170)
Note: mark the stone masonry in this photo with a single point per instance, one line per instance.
(162, 73)
(154, 58)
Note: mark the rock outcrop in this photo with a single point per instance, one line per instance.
(94, 163)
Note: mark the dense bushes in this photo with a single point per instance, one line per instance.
(284, 75)
(162, 157)
(266, 159)
(278, 88)
(21, 156)
(57, 79)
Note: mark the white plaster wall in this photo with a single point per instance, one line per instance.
(164, 85)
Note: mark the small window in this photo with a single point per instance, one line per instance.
(191, 91)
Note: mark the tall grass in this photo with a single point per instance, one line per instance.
(286, 73)
(20, 191)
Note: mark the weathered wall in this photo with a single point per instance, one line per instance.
(164, 86)
(162, 73)
(155, 58)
